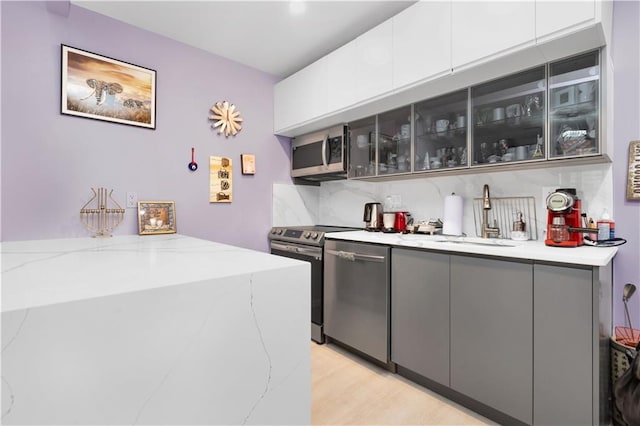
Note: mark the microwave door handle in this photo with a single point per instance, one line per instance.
(324, 151)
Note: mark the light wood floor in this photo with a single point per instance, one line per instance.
(347, 390)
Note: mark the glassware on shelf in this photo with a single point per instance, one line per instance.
(573, 115)
(362, 149)
(508, 113)
(444, 124)
(394, 140)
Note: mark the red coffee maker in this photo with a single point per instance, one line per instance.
(564, 216)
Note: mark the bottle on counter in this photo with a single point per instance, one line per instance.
(606, 226)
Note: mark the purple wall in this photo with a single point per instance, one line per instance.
(626, 121)
(50, 161)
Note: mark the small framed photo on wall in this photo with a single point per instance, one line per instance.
(248, 164)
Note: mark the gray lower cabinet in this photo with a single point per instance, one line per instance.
(492, 333)
(564, 344)
(420, 312)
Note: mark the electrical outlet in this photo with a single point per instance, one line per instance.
(132, 200)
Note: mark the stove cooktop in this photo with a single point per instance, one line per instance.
(310, 235)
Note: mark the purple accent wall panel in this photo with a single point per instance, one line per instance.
(626, 128)
(50, 161)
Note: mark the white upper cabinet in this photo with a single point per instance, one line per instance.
(482, 29)
(342, 78)
(567, 27)
(374, 67)
(302, 96)
(421, 42)
(563, 16)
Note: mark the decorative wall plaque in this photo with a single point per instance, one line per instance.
(220, 174)
(633, 179)
(248, 164)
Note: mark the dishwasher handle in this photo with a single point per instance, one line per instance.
(352, 256)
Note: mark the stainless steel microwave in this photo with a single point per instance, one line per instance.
(321, 155)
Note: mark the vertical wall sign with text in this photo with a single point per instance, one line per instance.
(220, 187)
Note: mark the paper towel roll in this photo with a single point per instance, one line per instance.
(452, 223)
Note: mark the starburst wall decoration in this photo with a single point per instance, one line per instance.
(227, 118)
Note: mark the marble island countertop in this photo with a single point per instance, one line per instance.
(156, 330)
(43, 272)
(530, 250)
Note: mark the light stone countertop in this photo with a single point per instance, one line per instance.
(153, 330)
(529, 250)
(44, 272)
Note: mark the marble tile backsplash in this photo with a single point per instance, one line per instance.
(340, 203)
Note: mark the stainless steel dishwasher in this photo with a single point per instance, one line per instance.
(357, 297)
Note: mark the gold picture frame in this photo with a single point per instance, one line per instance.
(156, 217)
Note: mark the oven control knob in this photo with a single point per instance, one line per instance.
(314, 235)
(307, 234)
(279, 231)
(273, 231)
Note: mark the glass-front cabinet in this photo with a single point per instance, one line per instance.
(574, 111)
(362, 148)
(509, 118)
(544, 113)
(394, 141)
(440, 128)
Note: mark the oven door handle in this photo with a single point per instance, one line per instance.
(351, 256)
(306, 251)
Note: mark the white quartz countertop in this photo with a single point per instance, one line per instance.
(44, 272)
(530, 250)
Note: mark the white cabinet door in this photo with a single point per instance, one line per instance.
(302, 96)
(341, 70)
(283, 103)
(421, 42)
(374, 62)
(481, 29)
(563, 16)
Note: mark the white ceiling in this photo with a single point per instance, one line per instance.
(266, 35)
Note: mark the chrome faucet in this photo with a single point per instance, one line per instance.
(487, 231)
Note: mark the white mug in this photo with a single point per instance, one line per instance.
(460, 121)
(442, 125)
(522, 152)
(498, 114)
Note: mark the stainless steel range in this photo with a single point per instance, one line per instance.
(307, 243)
